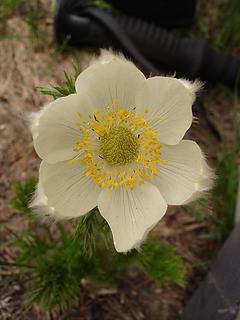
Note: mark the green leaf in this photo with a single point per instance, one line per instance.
(67, 87)
(23, 194)
(161, 263)
(90, 229)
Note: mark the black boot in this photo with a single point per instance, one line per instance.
(157, 50)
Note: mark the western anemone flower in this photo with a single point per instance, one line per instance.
(117, 144)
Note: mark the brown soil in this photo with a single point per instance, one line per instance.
(24, 67)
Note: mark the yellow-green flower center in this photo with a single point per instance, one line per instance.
(119, 146)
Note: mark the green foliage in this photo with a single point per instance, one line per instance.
(66, 88)
(229, 21)
(33, 18)
(200, 209)
(7, 8)
(53, 6)
(218, 22)
(223, 198)
(23, 194)
(203, 27)
(226, 191)
(32, 12)
(51, 270)
(89, 229)
(52, 265)
(102, 4)
(161, 263)
(158, 260)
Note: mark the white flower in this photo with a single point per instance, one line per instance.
(117, 144)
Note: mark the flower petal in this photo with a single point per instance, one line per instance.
(192, 86)
(67, 189)
(205, 182)
(57, 131)
(168, 104)
(131, 214)
(111, 83)
(39, 203)
(33, 120)
(185, 174)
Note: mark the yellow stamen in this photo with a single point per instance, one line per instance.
(118, 148)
